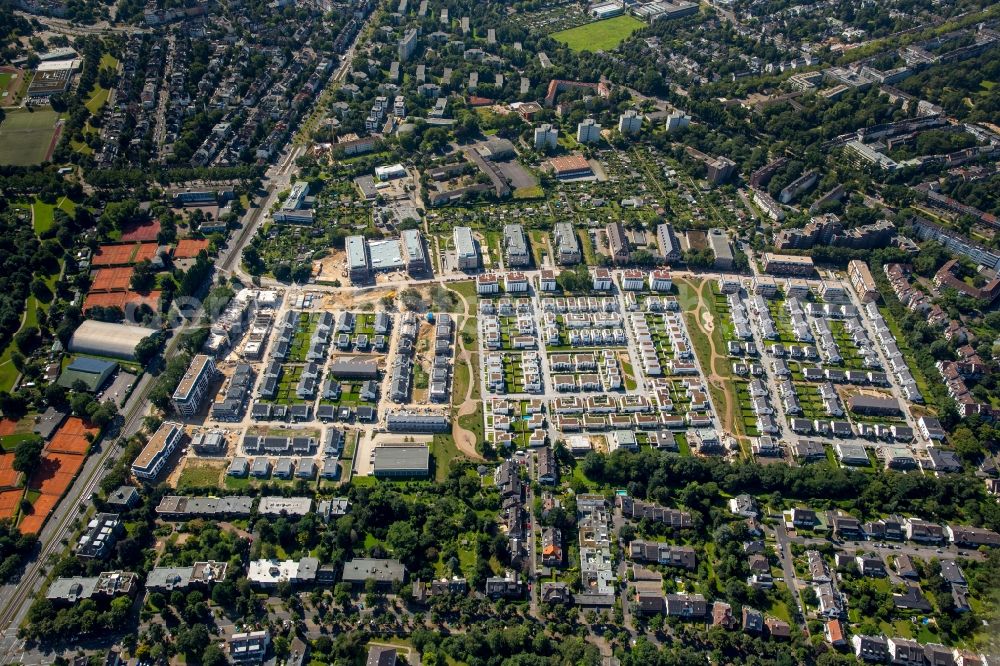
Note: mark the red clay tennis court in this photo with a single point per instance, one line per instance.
(55, 473)
(189, 248)
(43, 506)
(9, 500)
(112, 279)
(123, 255)
(7, 427)
(72, 437)
(147, 231)
(74, 425)
(8, 475)
(121, 299)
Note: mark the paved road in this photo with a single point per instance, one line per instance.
(785, 556)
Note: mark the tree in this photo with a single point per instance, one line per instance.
(143, 277)
(147, 349)
(193, 640)
(213, 656)
(28, 454)
(28, 339)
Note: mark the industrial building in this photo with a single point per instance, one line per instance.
(157, 452)
(194, 386)
(107, 339)
(409, 460)
(466, 249)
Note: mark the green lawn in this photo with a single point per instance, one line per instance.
(5, 81)
(97, 99)
(42, 216)
(600, 35)
(444, 450)
(202, 475)
(25, 136)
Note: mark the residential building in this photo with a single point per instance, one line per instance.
(787, 264)
(567, 244)
(618, 246)
(194, 385)
(100, 536)
(515, 246)
(629, 122)
(588, 131)
(546, 137)
(466, 249)
(862, 281)
(155, 455)
(248, 647)
(718, 240)
(669, 247)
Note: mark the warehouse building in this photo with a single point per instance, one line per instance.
(157, 451)
(408, 460)
(107, 339)
(466, 249)
(194, 385)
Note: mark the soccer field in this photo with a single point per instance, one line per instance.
(600, 35)
(25, 136)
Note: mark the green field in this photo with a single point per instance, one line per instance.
(200, 475)
(25, 136)
(97, 99)
(42, 216)
(5, 81)
(600, 35)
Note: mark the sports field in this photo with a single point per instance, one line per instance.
(25, 136)
(600, 35)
